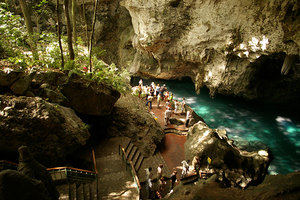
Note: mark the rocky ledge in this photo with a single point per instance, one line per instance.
(41, 110)
(233, 166)
(131, 118)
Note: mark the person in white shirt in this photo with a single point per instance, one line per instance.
(159, 171)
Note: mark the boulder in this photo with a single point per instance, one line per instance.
(51, 131)
(20, 86)
(131, 118)
(33, 169)
(14, 185)
(84, 96)
(233, 166)
(89, 97)
(7, 78)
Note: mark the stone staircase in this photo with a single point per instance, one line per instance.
(134, 155)
(77, 191)
(115, 182)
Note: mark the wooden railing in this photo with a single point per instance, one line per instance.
(129, 163)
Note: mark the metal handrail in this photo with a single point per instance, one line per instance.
(71, 168)
(54, 168)
(9, 162)
(133, 172)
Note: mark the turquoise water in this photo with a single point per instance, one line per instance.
(249, 125)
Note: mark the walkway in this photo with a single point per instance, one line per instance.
(173, 148)
(114, 181)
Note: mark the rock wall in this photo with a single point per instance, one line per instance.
(223, 45)
(232, 47)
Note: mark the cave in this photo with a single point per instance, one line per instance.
(172, 99)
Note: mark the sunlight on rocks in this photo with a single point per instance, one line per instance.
(246, 53)
(253, 44)
(264, 43)
(263, 153)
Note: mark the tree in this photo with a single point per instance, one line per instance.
(92, 35)
(58, 34)
(74, 13)
(28, 22)
(69, 30)
(86, 25)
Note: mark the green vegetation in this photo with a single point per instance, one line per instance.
(15, 48)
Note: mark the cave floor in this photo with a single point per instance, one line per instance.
(173, 147)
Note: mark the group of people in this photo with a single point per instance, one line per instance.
(155, 192)
(161, 94)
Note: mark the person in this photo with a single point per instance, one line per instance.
(158, 100)
(151, 91)
(140, 91)
(177, 106)
(159, 171)
(149, 182)
(171, 96)
(161, 183)
(185, 169)
(196, 164)
(157, 89)
(188, 118)
(141, 82)
(168, 114)
(149, 101)
(183, 110)
(173, 179)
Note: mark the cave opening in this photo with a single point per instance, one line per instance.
(268, 83)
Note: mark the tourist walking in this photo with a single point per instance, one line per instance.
(185, 169)
(149, 101)
(141, 82)
(159, 171)
(173, 178)
(158, 100)
(149, 183)
(188, 118)
(196, 164)
(183, 105)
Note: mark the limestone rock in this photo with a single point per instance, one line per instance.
(130, 118)
(51, 131)
(233, 166)
(273, 188)
(88, 97)
(232, 47)
(33, 169)
(20, 86)
(7, 78)
(14, 185)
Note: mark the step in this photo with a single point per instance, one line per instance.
(135, 158)
(139, 163)
(125, 144)
(133, 152)
(129, 149)
(85, 191)
(79, 191)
